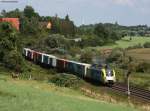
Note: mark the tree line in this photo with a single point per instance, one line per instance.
(61, 36)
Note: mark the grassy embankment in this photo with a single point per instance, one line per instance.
(31, 95)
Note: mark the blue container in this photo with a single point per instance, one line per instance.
(77, 68)
(94, 74)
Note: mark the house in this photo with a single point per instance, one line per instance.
(14, 21)
(47, 25)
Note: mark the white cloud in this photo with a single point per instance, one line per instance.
(125, 2)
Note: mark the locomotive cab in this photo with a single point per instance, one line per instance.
(109, 75)
(101, 73)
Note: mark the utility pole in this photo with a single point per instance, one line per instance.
(128, 82)
(128, 86)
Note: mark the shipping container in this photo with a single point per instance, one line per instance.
(94, 74)
(32, 52)
(77, 68)
(52, 61)
(61, 64)
(45, 59)
(25, 52)
(39, 57)
(29, 54)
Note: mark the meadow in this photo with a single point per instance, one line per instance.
(25, 95)
(126, 42)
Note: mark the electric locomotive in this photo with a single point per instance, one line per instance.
(101, 73)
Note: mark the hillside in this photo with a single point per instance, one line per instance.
(37, 87)
(21, 95)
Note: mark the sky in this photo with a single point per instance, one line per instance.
(125, 12)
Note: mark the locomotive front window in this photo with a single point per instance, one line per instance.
(109, 73)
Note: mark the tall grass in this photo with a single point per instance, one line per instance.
(19, 95)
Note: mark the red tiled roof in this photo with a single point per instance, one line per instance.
(14, 21)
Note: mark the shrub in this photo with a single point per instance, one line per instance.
(66, 80)
(14, 61)
(135, 46)
(86, 56)
(143, 67)
(116, 55)
(147, 45)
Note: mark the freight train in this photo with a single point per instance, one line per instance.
(98, 73)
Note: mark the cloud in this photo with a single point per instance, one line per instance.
(125, 2)
(123, 11)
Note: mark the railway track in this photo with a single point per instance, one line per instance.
(134, 91)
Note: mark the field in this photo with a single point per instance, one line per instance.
(140, 79)
(125, 42)
(143, 54)
(25, 95)
(140, 54)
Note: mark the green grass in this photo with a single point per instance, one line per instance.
(125, 42)
(141, 79)
(23, 95)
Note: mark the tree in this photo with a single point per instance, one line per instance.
(9, 50)
(67, 18)
(29, 26)
(14, 14)
(29, 12)
(86, 57)
(63, 26)
(3, 13)
(102, 32)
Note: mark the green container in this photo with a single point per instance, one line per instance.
(39, 57)
(45, 59)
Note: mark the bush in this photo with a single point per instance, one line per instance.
(147, 45)
(74, 51)
(116, 55)
(92, 40)
(66, 80)
(14, 61)
(143, 67)
(10, 54)
(135, 46)
(86, 56)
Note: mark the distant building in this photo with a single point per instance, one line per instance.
(47, 25)
(14, 21)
